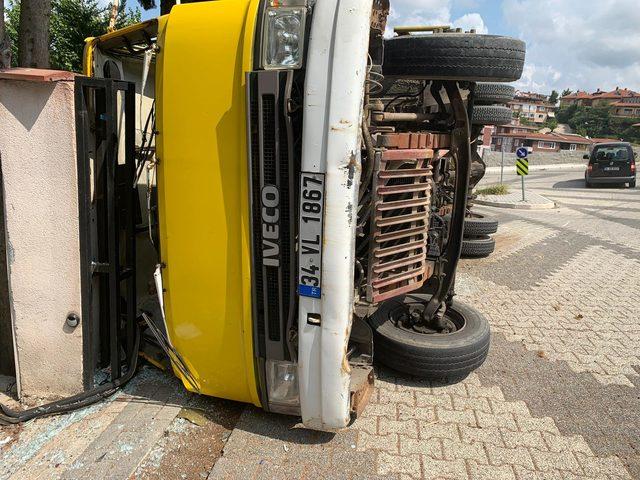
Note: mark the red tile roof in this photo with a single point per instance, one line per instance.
(617, 93)
(577, 95)
(626, 104)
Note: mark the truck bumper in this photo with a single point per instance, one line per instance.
(610, 180)
(336, 71)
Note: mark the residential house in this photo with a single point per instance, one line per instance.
(628, 107)
(489, 132)
(580, 97)
(534, 107)
(539, 142)
(624, 102)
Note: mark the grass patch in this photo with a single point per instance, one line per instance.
(500, 189)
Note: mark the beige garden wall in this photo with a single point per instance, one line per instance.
(37, 142)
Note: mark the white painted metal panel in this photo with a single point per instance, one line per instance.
(336, 71)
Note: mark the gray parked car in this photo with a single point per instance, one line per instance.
(611, 163)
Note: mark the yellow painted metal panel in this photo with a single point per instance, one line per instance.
(205, 51)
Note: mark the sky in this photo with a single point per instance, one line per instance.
(574, 44)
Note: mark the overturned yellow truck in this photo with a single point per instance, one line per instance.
(305, 184)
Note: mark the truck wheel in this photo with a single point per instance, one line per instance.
(455, 56)
(477, 225)
(430, 355)
(632, 184)
(491, 93)
(478, 247)
(491, 115)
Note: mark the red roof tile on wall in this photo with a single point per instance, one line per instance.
(36, 75)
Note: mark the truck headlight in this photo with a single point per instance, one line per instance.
(284, 32)
(282, 387)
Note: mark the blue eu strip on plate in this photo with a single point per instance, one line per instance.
(308, 291)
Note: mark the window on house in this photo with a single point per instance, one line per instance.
(572, 147)
(547, 145)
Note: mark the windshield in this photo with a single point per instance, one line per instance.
(612, 153)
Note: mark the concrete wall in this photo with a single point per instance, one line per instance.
(493, 159)
(37, 141)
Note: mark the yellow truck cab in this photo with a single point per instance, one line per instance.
(304, 184)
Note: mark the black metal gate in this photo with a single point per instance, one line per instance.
(105, 135)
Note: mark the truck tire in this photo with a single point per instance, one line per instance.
(434, 355)
(455, 56)
(491, 93)
(477, 225)
(491, 115)
(478, 247)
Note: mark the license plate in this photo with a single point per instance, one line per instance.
(611, 169)
(311, 226)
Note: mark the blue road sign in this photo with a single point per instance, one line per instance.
(522, 152)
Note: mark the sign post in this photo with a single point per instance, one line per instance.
(507, 144)
(502, 165)
(522, 166)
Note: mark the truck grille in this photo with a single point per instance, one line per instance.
(272, 177)
(400, 222)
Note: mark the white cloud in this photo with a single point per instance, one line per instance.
(578, 44)
(471, 21)
(432, 12)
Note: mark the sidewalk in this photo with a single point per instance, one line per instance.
(533, 168)
(533, 201)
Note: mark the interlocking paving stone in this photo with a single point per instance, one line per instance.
(558, 397)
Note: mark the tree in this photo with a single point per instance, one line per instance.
(553, 98)
(551, 123)
(33, 36)
(566, 92)
(565, 114)
(71, 22)
(591, 121)
(165, 5)
(5, 41)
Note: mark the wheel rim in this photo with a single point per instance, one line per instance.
(402, 313)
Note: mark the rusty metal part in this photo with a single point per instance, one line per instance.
(461, 152)
(406, 30)
(414, 140)
(361, 388)
(389, 117)
(379, 15)
(400, 215)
